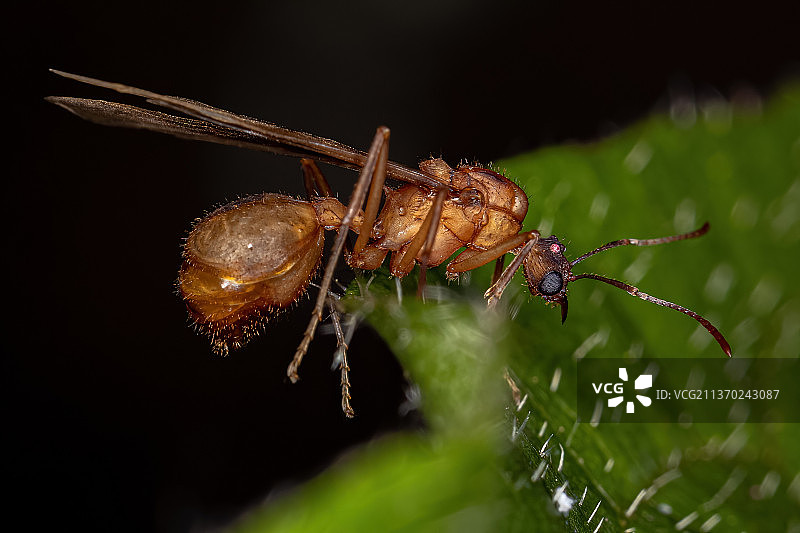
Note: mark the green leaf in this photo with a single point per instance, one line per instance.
(484, 464)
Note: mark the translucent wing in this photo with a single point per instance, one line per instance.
(219, 126)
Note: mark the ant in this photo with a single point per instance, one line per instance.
(256, 255)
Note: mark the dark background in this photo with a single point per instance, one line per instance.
(117, 416)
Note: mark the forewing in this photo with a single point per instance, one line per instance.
(128, 116)
(218, 125)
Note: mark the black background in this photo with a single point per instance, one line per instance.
(117, 416)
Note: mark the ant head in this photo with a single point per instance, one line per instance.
(547, 272)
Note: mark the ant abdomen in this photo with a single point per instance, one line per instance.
(246, 260)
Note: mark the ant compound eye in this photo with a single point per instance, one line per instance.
(551, 283)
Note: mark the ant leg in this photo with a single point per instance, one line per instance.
(373, 200)
(317, 186)
(341, 356)
(315, 182)
(422, 241)
(379, 145)
(498, 268)
(435, 214)
(472, 259)
(494, 292)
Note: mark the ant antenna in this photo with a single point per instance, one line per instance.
(634, 291)
(645, 242)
